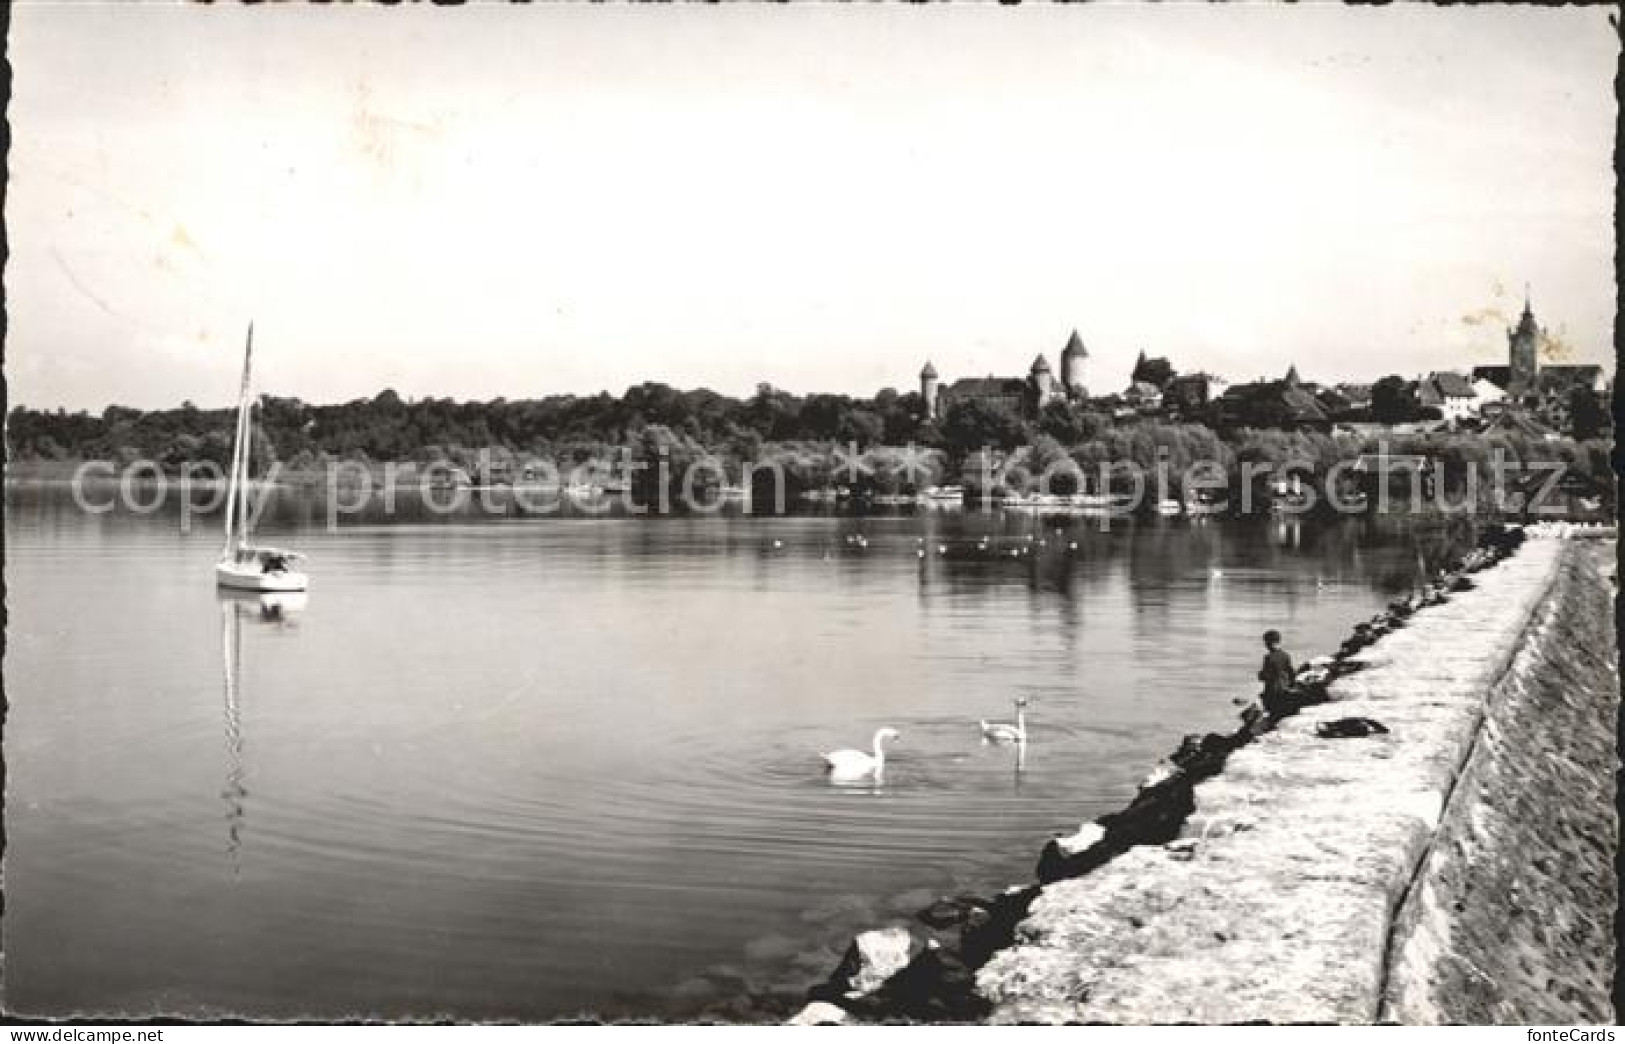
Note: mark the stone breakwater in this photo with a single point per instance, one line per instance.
(1300, 869)
(1510, 919)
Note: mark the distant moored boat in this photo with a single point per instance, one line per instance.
(1199, 504)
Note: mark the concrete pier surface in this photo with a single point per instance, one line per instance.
(1457, 868)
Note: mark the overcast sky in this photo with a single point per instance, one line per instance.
(516, 202)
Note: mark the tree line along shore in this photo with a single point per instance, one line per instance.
(707, 438)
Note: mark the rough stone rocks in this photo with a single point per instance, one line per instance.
(993, 928)
(936, 986)
(1349, 728)
(1201, 757)
(1161, 773)
(820, 1013)
(1159, 810)
(1152, 818)
(1183, 849)
(950, 912)
(873, 957)
(1088, 836)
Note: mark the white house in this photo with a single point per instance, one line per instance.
(1487, 392)
(1451, 394)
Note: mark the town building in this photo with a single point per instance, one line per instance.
(1451, 394)
(1358, 395)
(1335, 404)
(1524, 380)
(1488, 393)
(1156, 372)
(1288, 403)
(1523, 351)
(1025, 396)
(1143, 397)
(1553, 398)
(1187, 396)
(1517, 422)
(1545, 392)
(1567, 377)
(1344, 403)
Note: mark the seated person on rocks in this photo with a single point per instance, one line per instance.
(1276, 674)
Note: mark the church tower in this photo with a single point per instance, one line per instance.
(928, 390)
(1523, 346)
(1072, 360)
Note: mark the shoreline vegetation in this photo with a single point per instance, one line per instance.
(662, 446)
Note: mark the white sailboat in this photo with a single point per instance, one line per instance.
(243, 566)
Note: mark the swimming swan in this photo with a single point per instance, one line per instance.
(850, 763)
(999, 731)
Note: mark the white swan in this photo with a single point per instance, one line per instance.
(999, 731)
(849, 764)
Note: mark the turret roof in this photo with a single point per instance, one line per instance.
(929, 371)
(1040, 364)
(1074, 346)
(1526, 321)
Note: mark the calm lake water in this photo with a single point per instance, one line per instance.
(530, 768)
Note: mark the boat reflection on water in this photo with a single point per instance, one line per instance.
(280, 609)
(1288, 532)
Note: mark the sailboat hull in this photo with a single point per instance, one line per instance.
(250, 578)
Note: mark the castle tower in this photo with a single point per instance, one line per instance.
(1292, 378)
(1072, 360)
(929, 386)
(1043, 382)
(1523, 346)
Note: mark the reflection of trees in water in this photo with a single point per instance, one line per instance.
(1051, 570)
(1069, 609)
(1159, 556)
(1285, 553)
(1161, 566)
(1435, 543)
(1277, 544)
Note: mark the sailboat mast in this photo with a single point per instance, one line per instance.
(248, 453)
(248, 435)
(239, 449)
